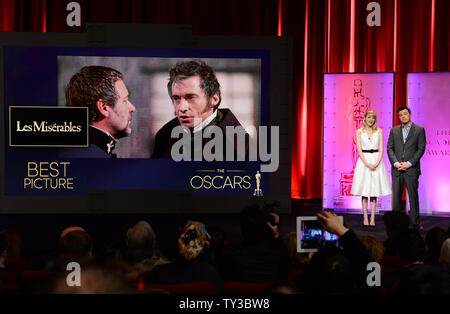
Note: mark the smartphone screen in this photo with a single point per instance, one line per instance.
(313, 237)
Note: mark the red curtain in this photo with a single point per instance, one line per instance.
(22, 15)
(413, 37)
(328, 36)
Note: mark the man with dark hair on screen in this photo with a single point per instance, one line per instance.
(195, 93)
(405, 147)
(102, 90)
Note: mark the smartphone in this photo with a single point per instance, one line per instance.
(311, 236)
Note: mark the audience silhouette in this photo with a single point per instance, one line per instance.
(264, 259)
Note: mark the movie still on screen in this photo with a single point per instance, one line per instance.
(222, 155)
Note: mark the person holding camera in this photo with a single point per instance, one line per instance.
(357, 255)
(262, 256)
(193, 262)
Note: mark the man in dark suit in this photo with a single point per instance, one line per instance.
(103, 91)
(195, 93)
(406, 145)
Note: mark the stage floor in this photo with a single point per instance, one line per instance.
(353, 218)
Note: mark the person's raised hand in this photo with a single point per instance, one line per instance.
(274, 228)
(331, 223)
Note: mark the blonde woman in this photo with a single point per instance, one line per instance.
(370, 178)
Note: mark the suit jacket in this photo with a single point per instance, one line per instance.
(98, 147)
(412, 150)
(164, 141)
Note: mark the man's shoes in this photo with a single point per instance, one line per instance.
(418, 227)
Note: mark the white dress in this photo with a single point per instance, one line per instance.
(368, 182)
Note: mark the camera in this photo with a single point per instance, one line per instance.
(271, 208)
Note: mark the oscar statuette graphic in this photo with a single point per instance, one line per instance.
(357, 105)
(258, 191)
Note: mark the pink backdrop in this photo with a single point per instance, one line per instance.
(429, 101)
(344, 109)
